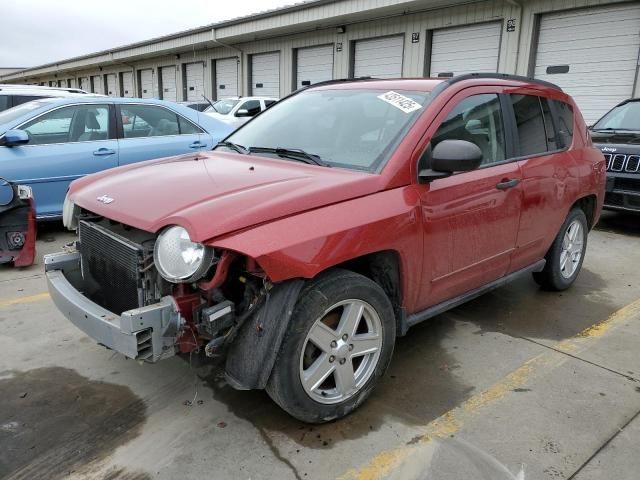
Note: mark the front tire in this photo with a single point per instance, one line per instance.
(565, 257)
(339, 343)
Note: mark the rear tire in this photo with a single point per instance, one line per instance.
(338, 345)
(565, 257)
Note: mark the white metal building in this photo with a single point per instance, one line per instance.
(589, 47)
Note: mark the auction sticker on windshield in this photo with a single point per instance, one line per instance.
(400, 101)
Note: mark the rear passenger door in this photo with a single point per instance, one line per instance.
(471, 219)
(153, 131)
(543, 131)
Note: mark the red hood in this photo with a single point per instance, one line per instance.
(215, 193)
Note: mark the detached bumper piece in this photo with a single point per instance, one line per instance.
(17, 225)
(146, 333)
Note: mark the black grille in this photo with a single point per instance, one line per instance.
(627, 184)
(621, 163)
(111, 266)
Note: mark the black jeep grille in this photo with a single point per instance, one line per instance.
(111, 266)
(621, 163)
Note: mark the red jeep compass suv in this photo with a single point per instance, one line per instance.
(328, 225)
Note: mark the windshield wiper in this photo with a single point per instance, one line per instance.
(293, 154)
(234, 146)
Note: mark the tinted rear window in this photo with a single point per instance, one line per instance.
(530, 122)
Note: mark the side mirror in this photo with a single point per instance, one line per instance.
(451, 156)
(7, 193)
(243, 112)
(13, 138)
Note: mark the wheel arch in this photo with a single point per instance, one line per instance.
(588, 204)
(384, 268)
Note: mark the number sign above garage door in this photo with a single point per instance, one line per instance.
(592, 54)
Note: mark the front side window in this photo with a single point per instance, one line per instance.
(148, 121)
(530, 122)
(622, 117)
(476, 119)
(354, 128)
(78, 123)
(4, 102)
(251, 106)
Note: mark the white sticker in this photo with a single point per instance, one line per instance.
(400, 101)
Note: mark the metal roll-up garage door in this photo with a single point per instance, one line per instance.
(85, 84)
(378, 57)
(168, 78)
(265, 74)
(226, 78)
(146, 83)
(112, 87)
(127, 84)
(465, 49)
(194, 80)
(592, 53)
(96, 84)
(314, 64)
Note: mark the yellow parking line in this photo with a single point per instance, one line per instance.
(452, 422)
(38, 297)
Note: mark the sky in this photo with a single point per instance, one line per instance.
(35, 32)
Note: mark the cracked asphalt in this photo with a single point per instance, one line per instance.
(518, 384)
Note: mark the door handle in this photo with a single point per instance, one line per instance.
(197, 145)
(507, 183)
(101, 152)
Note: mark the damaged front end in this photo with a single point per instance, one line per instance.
(151, 296)
(17, 224)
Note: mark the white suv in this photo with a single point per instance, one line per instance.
(238, 110)
(13, 95)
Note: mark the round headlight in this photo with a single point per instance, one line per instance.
(178, 259)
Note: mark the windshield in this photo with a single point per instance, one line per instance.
(16, 112)
(222, 106)
(623, 117)
(347, 128)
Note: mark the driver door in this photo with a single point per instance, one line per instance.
(64, 144)
(470, 219)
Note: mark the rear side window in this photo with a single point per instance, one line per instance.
(564, 115)
(268, 103)
(186, 127)
(4, 102)
(148, 121)
(20, 99)
(530, 122)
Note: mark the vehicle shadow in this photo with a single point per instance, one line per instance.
(619, 222)
(522, 309)
(420, 364)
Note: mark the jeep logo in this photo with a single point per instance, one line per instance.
(609, 150)
(105, 199)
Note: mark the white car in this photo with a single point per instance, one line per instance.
(237, 110)
(14, 95)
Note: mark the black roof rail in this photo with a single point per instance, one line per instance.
(492, 76)
(336, 80)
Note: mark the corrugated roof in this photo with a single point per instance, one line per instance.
(224, 23)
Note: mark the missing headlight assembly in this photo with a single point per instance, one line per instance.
(17, 224)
